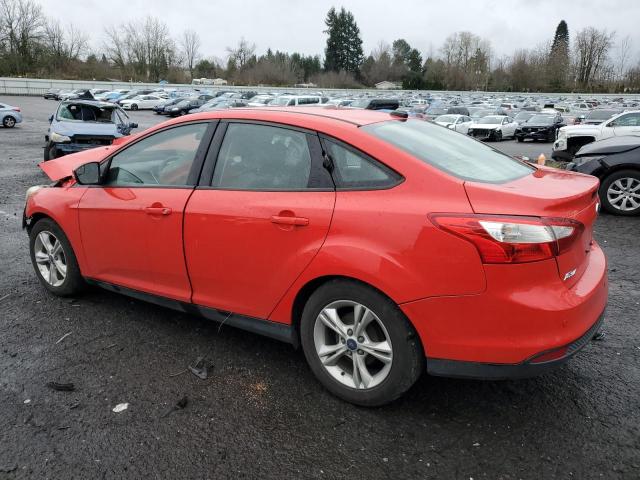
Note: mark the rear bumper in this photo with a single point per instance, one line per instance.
(526, 310)
(488, 371)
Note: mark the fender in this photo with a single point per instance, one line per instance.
(64, 201)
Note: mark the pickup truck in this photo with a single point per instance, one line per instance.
(571, 138)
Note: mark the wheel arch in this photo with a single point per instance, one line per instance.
(305, 292)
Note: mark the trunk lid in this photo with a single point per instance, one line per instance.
(547, 192)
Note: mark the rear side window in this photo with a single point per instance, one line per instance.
(261, 157)
(353, 170)
(449, 151)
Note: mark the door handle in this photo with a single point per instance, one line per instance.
(157, 210)
(296, 221)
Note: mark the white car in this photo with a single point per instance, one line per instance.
(142, 102)
(459, 123)
(493, 127)
(295, 100)
(572, 138)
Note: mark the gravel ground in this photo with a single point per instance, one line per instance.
(261, 414)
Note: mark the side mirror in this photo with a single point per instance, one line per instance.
(88, 174)
(50, 118)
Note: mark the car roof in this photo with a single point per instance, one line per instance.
(93, 103)
(352, 116)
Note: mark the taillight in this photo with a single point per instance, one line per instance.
(507, 239)
(16, 109)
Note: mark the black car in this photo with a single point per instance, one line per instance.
(51, 94)
(376, 103)
(458, 111)
(540, 127)
(186, 105)
(161, 109)
(597, 116)
(616, 162)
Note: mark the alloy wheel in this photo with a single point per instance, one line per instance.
(353, 345)
(50, 258)
(624, 194)
(9, 122)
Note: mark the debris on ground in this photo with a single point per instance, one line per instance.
(200, 369)
(598, 337)
(5, 296)
(121, 407)
(63, 337)
(61, 387)
(180, 404)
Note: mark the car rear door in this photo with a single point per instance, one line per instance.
(131, 224)
(259, 216)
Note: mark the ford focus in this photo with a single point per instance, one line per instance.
(379, 244)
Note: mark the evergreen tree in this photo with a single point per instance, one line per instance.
(558, 62)
(344, 45)
(401, 51)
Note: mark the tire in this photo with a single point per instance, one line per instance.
(47, 152)
(625, 182)
(497, 137)
(134, 106)
(9, 122)
(70, 281)
(520, 139)
(389, 379)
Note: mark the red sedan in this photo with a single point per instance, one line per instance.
(372, 240)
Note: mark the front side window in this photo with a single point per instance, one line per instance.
(262, 157)
(164, 158)
(629, 120)
(353, 170)
(448, 151)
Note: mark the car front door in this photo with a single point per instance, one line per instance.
(131, 224)
(258, 218)
(627, 124)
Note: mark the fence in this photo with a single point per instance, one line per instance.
(36, 87)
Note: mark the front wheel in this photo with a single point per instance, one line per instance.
(9, 122)
(359, 344)
(620, 193)
(498, 136)
(53, 259)
(134, 106)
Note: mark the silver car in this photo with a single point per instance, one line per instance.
(9, 115)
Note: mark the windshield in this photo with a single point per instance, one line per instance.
(523, 115)
(602, 114)
(449, 151)
(481, 113)
(436, 111)
(282, 101)
(360, 103)
(86, 113)
(446, 118)
(491, 120)
(541, 119)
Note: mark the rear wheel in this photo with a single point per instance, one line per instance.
(53, 259)
(9, 122)
(359, 344)
(620, 193)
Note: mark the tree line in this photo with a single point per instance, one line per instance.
(592, 60)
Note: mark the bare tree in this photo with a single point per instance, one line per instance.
(141, 50)
(624, 51)
(190, 44)
(242, 53)
(592, 51)
(21, 29)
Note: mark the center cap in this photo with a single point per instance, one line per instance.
(352, 344)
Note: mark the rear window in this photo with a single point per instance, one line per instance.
(449, 151)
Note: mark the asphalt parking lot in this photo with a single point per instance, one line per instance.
(260, 413)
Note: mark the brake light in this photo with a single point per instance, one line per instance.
(16, 109)
(507, 239)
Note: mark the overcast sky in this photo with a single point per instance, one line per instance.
(297, 25)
